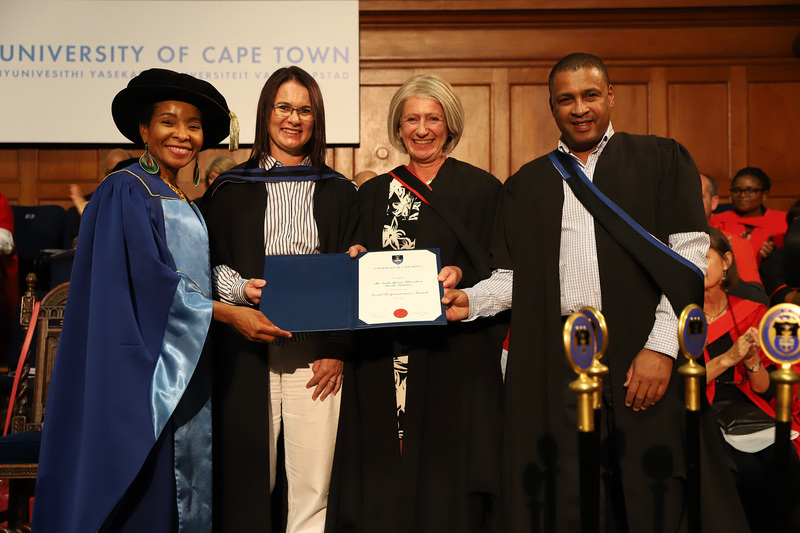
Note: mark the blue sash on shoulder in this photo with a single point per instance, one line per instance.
(678, 278)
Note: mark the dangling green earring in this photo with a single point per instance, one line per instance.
(148, 162)
(196, 179)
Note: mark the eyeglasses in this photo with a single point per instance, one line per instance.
(747, 193)
(285, 111)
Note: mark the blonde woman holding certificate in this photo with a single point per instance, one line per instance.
(418, 443)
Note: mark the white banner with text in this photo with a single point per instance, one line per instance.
(62, 62)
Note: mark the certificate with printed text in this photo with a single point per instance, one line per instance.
(396, 287)
(334, 291)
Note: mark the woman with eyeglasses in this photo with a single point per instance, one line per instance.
(750, 218)
(283, 200)
(738, 384)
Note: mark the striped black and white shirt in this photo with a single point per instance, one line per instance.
(289, 229)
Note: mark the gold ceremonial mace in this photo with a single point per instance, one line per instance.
(692, 335)
(778, 337)
(598, 369)
(580, 345)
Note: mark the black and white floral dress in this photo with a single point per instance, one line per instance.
(399, 233)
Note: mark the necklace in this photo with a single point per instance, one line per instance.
(177, 191)
(714, 317)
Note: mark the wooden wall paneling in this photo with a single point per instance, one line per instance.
(11, 190)
(374, 152)
(69, 165)
(483, 5)
(653, 43)
(500, 136)
(698, 119)
(630, 113)
(9, 174)
(737, 135)
(774, 71)
(533, 130)
(657, 102)
(772, 145)
(475, 146)
(9, 164)
(344, 157)
(59, 167)
(52, 193)
(28, 173)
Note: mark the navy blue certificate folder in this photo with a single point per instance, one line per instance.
(320, 292)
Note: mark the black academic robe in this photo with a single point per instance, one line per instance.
(655, 181)
(234, 212)
(447, 479)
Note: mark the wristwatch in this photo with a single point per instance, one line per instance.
(755, 368)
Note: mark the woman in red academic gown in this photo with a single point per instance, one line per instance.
(763, 227)
(737, 375)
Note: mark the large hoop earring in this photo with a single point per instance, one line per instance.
(196, 178)
(148, 162)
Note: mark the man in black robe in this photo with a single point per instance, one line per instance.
(565, 260)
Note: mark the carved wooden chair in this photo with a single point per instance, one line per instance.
(19, 450)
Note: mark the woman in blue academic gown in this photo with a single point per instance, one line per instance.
(127, 443)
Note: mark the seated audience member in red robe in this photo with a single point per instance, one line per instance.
(763, 227)
(750, 286)
(742, 251)
(9, 277)
(738, 386)
(780, 271)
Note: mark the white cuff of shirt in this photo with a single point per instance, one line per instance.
(473, 305)
(664, 335)
(490, 296)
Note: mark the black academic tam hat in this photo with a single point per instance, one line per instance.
(158, 85)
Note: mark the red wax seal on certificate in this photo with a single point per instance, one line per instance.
(400, 313)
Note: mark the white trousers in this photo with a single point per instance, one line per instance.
(309, 434)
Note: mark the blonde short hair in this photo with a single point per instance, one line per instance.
(436, 88)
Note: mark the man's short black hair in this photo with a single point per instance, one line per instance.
(578, 61)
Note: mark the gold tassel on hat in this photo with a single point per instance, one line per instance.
(234, 141)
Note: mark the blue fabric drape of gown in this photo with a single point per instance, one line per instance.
(129, 406)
